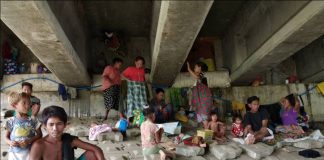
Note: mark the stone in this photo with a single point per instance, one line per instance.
(226, 151)
(117, 156)
(282, 155)
(189, 151)
(258, 150)
(135, 152)
(290, 149)
(82, 133)
(114, 136)
(308, 144)
(133, 132)
(78, 130)
(192, 158)
(152, 157)
(132, 144)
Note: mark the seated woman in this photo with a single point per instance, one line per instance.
(289, 116)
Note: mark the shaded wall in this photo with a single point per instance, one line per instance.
(270, 94)
(135, 46)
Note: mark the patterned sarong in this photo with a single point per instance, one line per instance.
(136, 97)
(201, 98)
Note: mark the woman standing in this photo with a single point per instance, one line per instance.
(111, 85)
(136, 92)
(201, 95)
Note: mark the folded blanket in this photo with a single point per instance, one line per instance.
(96, 130)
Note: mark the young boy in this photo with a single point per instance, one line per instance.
(35, 102)
(217, 126)
(22, 131)
(151, 136)
(58, 145)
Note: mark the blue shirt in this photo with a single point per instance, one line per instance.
(21, 129)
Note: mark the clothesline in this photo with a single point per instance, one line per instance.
(44, 78)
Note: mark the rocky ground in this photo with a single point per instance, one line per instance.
(116, 149)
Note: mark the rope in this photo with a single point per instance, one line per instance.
(44, 78)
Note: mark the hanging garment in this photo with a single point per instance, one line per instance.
(202, 99)
(62, 92)
(136, 97)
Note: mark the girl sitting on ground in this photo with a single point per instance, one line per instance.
(151, 136)
(237, 127)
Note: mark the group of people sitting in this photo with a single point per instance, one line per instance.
(24, 136)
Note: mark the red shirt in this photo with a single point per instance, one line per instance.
(134, 74)
(113, 75)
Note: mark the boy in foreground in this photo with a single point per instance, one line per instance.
(58, 145)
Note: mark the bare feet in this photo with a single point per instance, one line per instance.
(162, 155)
(249, 139)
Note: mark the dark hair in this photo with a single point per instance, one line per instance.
(140, 58)
(291, 99)
(148, 111)
(236, 116)
(117, 60)
(202, 65)
(158, 90)
(212, 113)
(27, 84)
(253, 98)
(54, 111)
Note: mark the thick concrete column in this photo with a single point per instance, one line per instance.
(266, 33)
(179, 23)
(35, 25)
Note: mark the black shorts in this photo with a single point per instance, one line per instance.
(111, 97)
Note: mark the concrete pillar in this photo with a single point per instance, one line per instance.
(37, 27)
(271, 32)
(179, 23)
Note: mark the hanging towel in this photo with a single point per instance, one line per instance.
(72, 92)
(62, 92)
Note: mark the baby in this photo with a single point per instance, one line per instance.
(217, 127)
(237, 127)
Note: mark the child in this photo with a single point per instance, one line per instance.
(237, 127)
(151, 135)
(202, 99)
(35, 102)
(22, 130)
(217, 126)
(58, 145)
